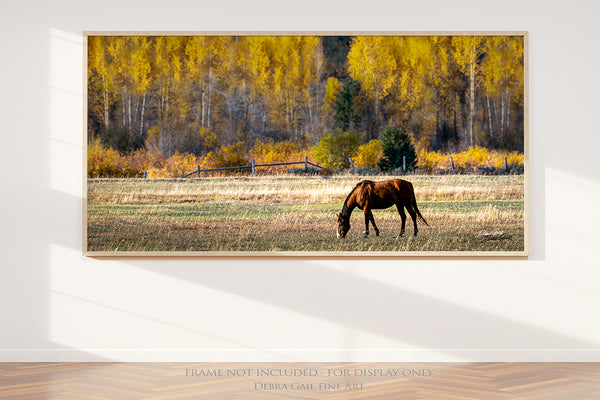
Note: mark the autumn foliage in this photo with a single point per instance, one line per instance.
(165, 105)
(105, 162)
(198, 93)
(469, 160)
(369, 154)
(109, 163)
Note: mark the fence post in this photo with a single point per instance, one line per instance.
(404, 164)
(198, 170)
(452, 164)
(351, 162)
(505, 164)
(253, 171)
(145, 174)
(305, 164)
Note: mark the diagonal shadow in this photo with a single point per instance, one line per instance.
(368, 305)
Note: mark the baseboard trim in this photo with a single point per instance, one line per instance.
(307, 355)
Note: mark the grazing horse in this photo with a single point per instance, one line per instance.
(369, 195)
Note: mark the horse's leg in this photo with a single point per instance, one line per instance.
(413, 215)
(373, 222)
(400, 208)
(367, 212)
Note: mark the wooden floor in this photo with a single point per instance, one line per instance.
(248, 381)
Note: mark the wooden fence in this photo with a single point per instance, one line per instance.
(306, 163)
(253, 167)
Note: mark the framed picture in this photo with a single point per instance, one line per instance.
(306, 144)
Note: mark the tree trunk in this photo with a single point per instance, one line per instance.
(165, 129)
(209, 98)
(124, 109)
(502, 112)
(162, 141)
(105, 103)
(490, 122)
(142, 115)
(203, 104)
(129, 111)
(471, 97)
(507, 109)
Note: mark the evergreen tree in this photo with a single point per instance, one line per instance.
(347, 104)
(397, 144)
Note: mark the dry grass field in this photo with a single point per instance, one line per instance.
(298, 214)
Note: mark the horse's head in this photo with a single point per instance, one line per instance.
(343, 226)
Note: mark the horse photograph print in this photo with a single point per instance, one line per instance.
(306, 144)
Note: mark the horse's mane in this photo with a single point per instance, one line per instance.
(345, 207)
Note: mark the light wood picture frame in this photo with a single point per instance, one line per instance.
(247, 144)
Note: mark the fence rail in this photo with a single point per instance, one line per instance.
(306, 163)
(253, 166)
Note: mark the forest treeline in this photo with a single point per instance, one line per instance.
(191, 94)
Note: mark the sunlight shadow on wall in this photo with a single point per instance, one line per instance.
(112, 310)
(66, 112)
(63, 193)
(396, 317)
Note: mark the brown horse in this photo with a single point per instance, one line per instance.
(369, 195)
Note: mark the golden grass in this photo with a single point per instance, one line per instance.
(298, 214)
(294, 190)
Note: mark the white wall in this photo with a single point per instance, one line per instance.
(57, 305)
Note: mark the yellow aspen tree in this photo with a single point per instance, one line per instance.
(309, 59)
(421, 60)
(217, 47)
(259, 70)
(130, 58)
(168, 75)
(440, 78)
(372, 63)
(233, 90)
(332, 89)
(100, 81)
(317, 88)
(467, 50)
(141, 75)
(279, 62)
(259, 62)
(195, 52)
(502, 79)
(413, 60)
(493, 76)
(239, 90)
(118, 49)
(515, 75)
(302, 69)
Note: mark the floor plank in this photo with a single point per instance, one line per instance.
(413, 381)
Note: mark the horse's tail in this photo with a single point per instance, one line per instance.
(414, 201)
